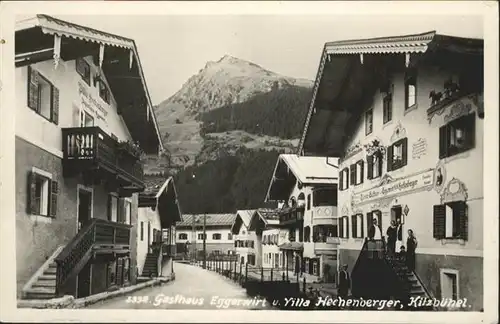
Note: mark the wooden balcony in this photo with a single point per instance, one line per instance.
(96, 155)
(291, 216)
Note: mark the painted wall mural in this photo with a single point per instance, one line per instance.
(419, 148)
(90, 103)
(439, 177)
(399, 132)
(454, 191)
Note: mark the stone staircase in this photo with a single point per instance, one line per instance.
(42, 284)
(150, 268)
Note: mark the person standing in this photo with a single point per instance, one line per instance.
(391, 238)
(411, 246)
(344, 282)
(375, 233)
(399, 232)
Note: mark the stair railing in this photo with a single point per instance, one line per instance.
(73, 253)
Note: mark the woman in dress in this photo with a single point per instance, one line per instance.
(411, 246)
(391, 238)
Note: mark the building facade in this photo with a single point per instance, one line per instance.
(410, 148)
(158, 213)
(219, 238)
(309, 184)
(244, 239)
(78, 145)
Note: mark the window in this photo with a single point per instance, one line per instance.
(449, 284)
(86, 120)
(83, 68)
(229, 236)
(357, 226)
(308, 201)
(201, 236)
(104, 92)
(325, 197)
(315, 268)
(128, 212)
(451, 221)
(42, 194)
(374, 166)
(216, 236)
(410, 89)
(112, 208)
(344, 179)
(307, 234)
(387, 107)
(397, 155)
(43, 97)
(142, 231)
(369, 122)
(357, 172)
(344, 227)
(457, 136)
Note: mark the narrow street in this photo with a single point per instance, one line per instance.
(193, 288)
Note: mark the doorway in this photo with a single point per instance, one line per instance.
(84, 207)
(84, 281)
(397, 216)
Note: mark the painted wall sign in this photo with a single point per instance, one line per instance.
(396, 187)
(90, 103)
(419, 148)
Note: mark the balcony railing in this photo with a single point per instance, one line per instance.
(90, 146)
(96, 236)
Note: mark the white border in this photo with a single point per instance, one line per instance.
(489, 10)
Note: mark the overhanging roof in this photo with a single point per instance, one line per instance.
(308, 170)
(349, 72)
(243, 217)
(165, 199)
(121, 66)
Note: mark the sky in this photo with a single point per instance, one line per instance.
(172, 48)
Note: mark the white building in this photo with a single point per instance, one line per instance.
(244, 239)
(219, 239)
(310, 184)
(405, 116)
(158, 213)
(79, 131)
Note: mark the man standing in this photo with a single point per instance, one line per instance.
(344, 282)
(375, 233)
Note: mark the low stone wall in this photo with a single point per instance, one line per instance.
(71, 302)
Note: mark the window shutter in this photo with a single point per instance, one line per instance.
(32, 88)
(379, 218)
(347, 225)
(405, 150)
(369, 219)
(341, 228)
(54, 191)
(439, 228)
(55, 105)
(353, 174)
(380, 164)
(464, 221)
(443, 141)
(390, 152)
(109, 208)
(471, 128)
(341, 186)
(369, 163)
(362, 170)
(362, 225)
(31, 203)
(354, 225)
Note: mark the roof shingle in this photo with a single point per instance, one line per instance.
(211, 220)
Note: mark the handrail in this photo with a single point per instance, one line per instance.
(71, 245)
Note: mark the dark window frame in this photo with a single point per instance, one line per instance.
(217, 236)
(468, 123)
(387, 107)
(410, 80)
(344, 174)
(84, 63)
(393, 165)
(369, 122)
(183, 236)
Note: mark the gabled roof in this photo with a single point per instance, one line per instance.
(343, 82)
(308, 170)
(243, 217)
(43, 37)
(270, 217)
(161, 193)
(212, 220)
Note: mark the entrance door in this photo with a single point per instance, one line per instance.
(84, 207)
(84, 281)
(397, 216)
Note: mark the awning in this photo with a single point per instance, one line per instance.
(295, 246)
